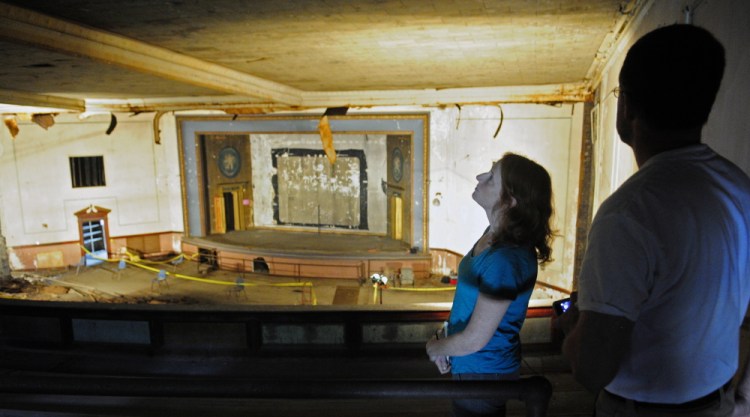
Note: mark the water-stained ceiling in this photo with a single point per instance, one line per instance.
(278, 54)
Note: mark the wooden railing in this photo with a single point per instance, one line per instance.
(74, 329)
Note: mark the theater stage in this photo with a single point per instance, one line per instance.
(309, 254)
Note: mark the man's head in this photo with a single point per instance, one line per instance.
(670, 78)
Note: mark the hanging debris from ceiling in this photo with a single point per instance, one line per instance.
(157, 131)
(12, 125)
(326, 136)
(112, 124)
(44, 120)
(502, 118)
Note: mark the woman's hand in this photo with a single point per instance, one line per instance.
(441, 361)
(443, 364)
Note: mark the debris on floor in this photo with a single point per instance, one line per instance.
(30, 286)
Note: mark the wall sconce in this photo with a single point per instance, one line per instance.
(438, 198)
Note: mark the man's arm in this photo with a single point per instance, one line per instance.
(595, 347)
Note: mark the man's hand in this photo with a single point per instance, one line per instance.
(568, 320)
(742, 394)
(595, 347)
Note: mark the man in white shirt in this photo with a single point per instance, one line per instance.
(665, 281)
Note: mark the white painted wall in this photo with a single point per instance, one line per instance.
(37, 199)
(728, 128)
(462, 146)
(172, 184)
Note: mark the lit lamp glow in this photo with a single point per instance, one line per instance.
(379, 279)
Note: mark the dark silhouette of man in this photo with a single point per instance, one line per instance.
(665, 281)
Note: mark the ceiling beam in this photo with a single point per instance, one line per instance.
(554, 93)
(37, 29)
(22, 98)
(546, 94)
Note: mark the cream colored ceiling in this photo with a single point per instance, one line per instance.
(263, 55)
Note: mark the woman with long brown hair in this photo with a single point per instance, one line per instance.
(496, 278)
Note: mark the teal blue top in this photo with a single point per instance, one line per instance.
(507, 272)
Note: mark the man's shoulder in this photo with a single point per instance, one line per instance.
(675, 177)
(623, 199)
(699, 158)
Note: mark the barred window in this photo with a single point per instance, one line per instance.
(87, 171)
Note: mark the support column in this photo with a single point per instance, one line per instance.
(585, 190)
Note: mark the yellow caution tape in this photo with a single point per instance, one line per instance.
(385, 287)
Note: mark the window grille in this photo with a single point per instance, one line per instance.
(87, 171)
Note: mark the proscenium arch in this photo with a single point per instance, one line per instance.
(189, 128)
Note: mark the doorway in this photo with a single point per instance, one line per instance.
(94, 234)
(229, 212)
(227, 178)
(229, 209)
(395, 219)
(399, 187)
(233, 197)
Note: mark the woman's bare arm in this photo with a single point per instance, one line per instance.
(488, 313)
